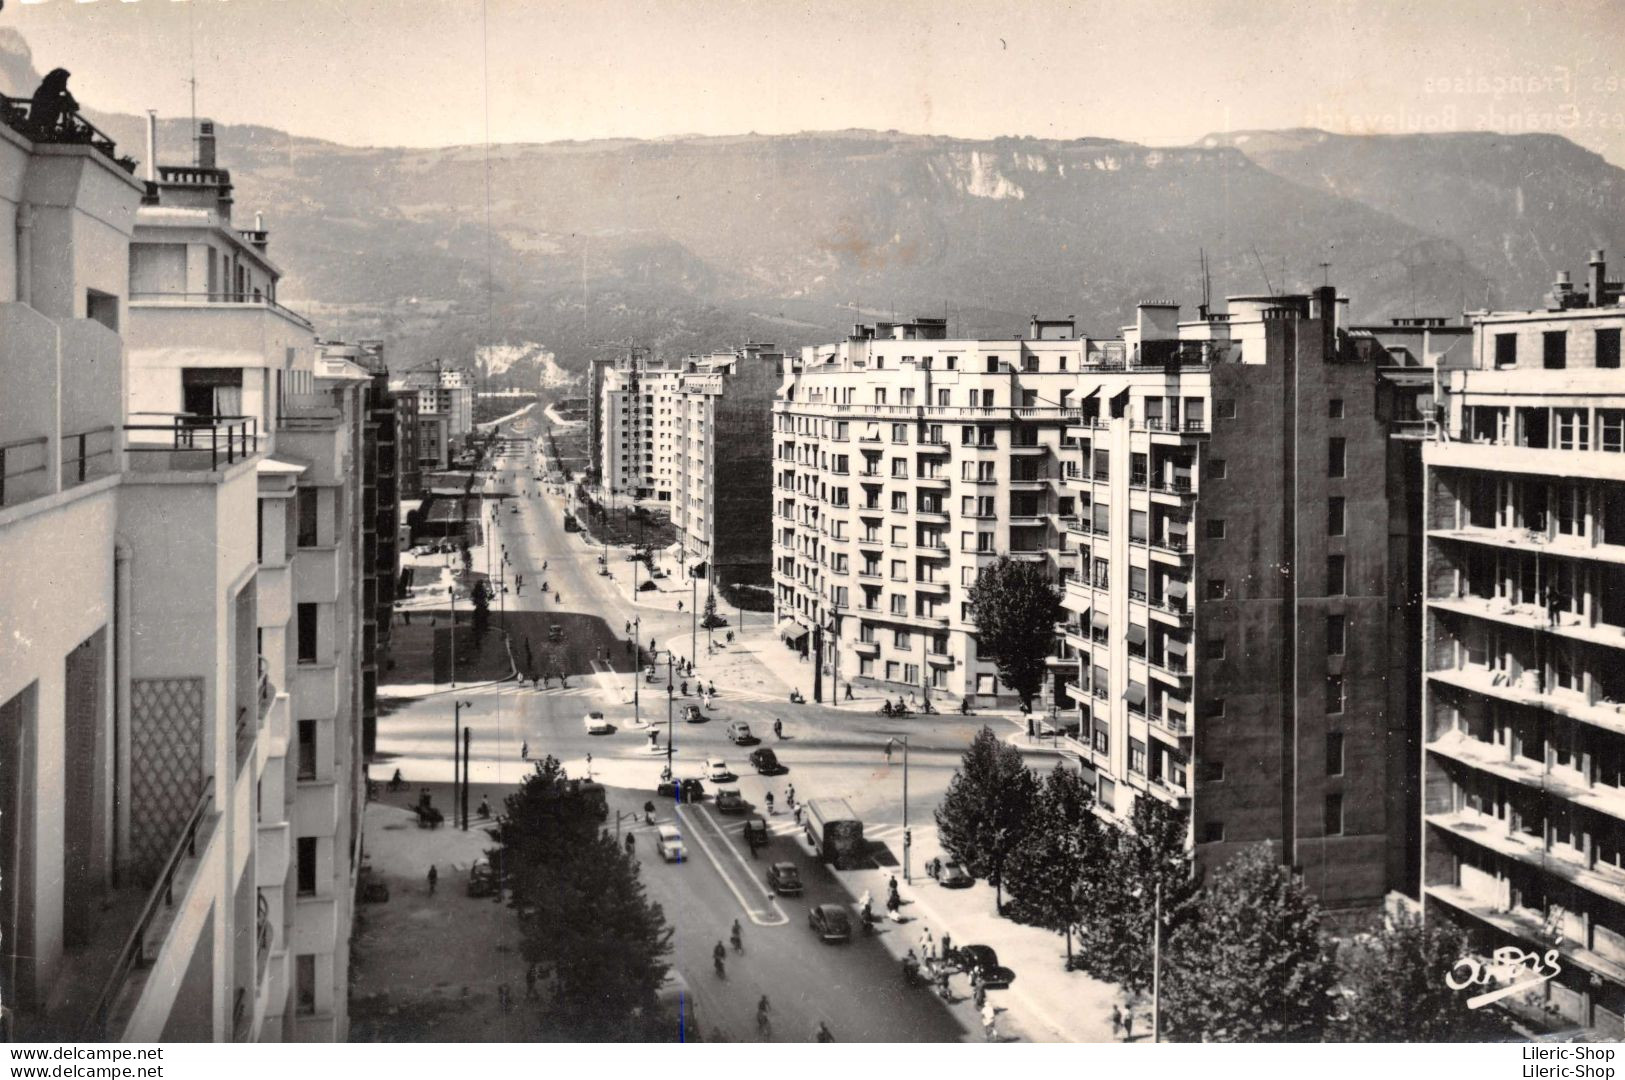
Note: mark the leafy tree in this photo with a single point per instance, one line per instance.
(987, 809)
(1250, 965)
(468, 555)
(1049, 872)
(481, 597)
(1015, 609)
(1117, 930)
(1394, 989)
(594, 933)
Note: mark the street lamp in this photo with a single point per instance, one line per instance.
(669, 729)
(908, 837)
(1156, 958)
(457, 708)
(637, 715)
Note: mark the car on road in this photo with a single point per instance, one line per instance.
(766, 762)
(784, 879)
(555, 632)
(598, 725)
(950, 875)
(730, 801)
(717, 769)
(692, 790)
(739, 733)
(982, 958)
(829, 922)
(482, 879)
(693, 715)
(756, 833)
(670, 844)
(514, 509)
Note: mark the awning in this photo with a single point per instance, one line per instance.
(1136, 634)
(1135, 694)
(1175, 646)
(1092, 392)
(1176, 589)
(790, 630)
(675, 550)
(1100, 621)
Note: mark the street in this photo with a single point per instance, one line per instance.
(855, 988)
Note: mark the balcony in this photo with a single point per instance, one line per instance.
(1497, 761)
(1575, 547)
(936, 588)
(163, 442)
(866, 648)
(72, 129)
(1496, 834)
(1607, 715)
(180, 310)
(1520, 924)
(1175, 486)
(1173, 723)
(934, 446)
(1594, 464)
(1533, 618)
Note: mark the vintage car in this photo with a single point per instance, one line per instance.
(784, 879)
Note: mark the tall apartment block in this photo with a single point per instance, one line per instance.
(637, 411)
(446, 392)
(722, 464)
(171, 873)
(1523, 826)
(1210, 496)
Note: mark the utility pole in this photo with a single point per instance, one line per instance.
(1156, 965)
(468, 734)
(637, 628)
(458, 753)
(693, 615)
(908, 837)
(669, 730)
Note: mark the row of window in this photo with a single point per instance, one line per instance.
(1554, 348)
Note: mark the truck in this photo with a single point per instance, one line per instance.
(834, 830)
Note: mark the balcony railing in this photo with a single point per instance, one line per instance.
(133, 954)
(21, 458)
(225, 439)
(191, 299)
(70, 128)
(1176, 486)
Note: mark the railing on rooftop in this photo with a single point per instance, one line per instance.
(70, 129)
(193, 174)
(81, 453)
(225, 439)
(21, 458)
(185, 299)
(133, 954)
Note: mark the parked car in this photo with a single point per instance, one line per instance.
(670, 844)
(950, 875)
(739, 733)
(482, 879)
(555, 632)
(766, 762)
(784, 879)
(598, 725)
(717, 769)
(982, 958)
(730, 801)
(691, 790)
(693, 715)
(646, 586)
(829, 922)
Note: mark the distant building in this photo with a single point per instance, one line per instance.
(1523, 647)
(722, 465)
(446, 392)
(637, 411)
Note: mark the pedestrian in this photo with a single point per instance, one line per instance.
(1117, 1022)
(630, 843)
(790, 794)
(849, 692)
(990, 1019)
(978, 990)
(434, 879)
(524, 751)
(928, 946)
(888, 751)
(485, 807)
(530, 983)
(770, 802)
(797, 811)
(679, 605)
(891, 887)
(1128, 1026)
(503, 998)
(947, 950)
(406, 613)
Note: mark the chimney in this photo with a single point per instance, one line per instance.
(152, 146)
(259, 221)
(205, 145)
(1599, 268)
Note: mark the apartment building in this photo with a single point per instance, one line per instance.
(1523, 817)
(722, 465)
(637, 412)
(443, 391)
(161, 865)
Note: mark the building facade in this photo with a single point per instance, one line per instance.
(1523, 827)
(444, 392)
(636, 441)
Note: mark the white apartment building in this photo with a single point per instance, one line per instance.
(638, 413)
(443, 392)
(1524, 646)
(162, 863)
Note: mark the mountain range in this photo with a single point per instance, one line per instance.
(692, 243)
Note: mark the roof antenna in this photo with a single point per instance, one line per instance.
(1263, 271)
(1325, 273)
(1207, 284)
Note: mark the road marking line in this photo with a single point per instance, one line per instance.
(781, 919)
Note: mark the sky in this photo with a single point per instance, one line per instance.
(447, 72)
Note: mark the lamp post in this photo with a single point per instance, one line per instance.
(1156, 964)
(693, 615)
(669, 729)
(457, 708)
(637, 715)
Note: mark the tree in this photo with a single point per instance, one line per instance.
(1049, 872)
(1250, 965)
(987, 809)
(1117, 929)
(1394, 989)
(709, 619)
(1015, 609)
(594, 932)
(468, 555)
(481, 596)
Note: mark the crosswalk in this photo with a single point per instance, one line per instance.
(594, 686)
(783, 824)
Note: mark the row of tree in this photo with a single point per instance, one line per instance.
(598, 942)
(1245, 956)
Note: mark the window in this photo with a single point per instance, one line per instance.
(1215, 648)
(1334, 815)
(899, 468)
(1334, 409)
(307, 866)
(1212, 832)
(1217, 468)
(1506, 350)
(899, 604)
(1335, 584)
(899, 501)
(1103, 464)
(1107, 794)
(1215, 588)
(304, 977)
(1607, 348)
(1136, 756)
(305, 500)
(1334, 694)
(1573, 429)
(901, 639)
(1554, 349)
(307, 749)
(1209, 772)
(1138, 526)
(1336, 516)
(1334, 753)
(899, 433)
(984, 542)
(103, 308)
(307, 633)
(1611, 430)
(1215, 528)
(1336, 457)
(1335, 635)
(1215, 708)
(1225, 409)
